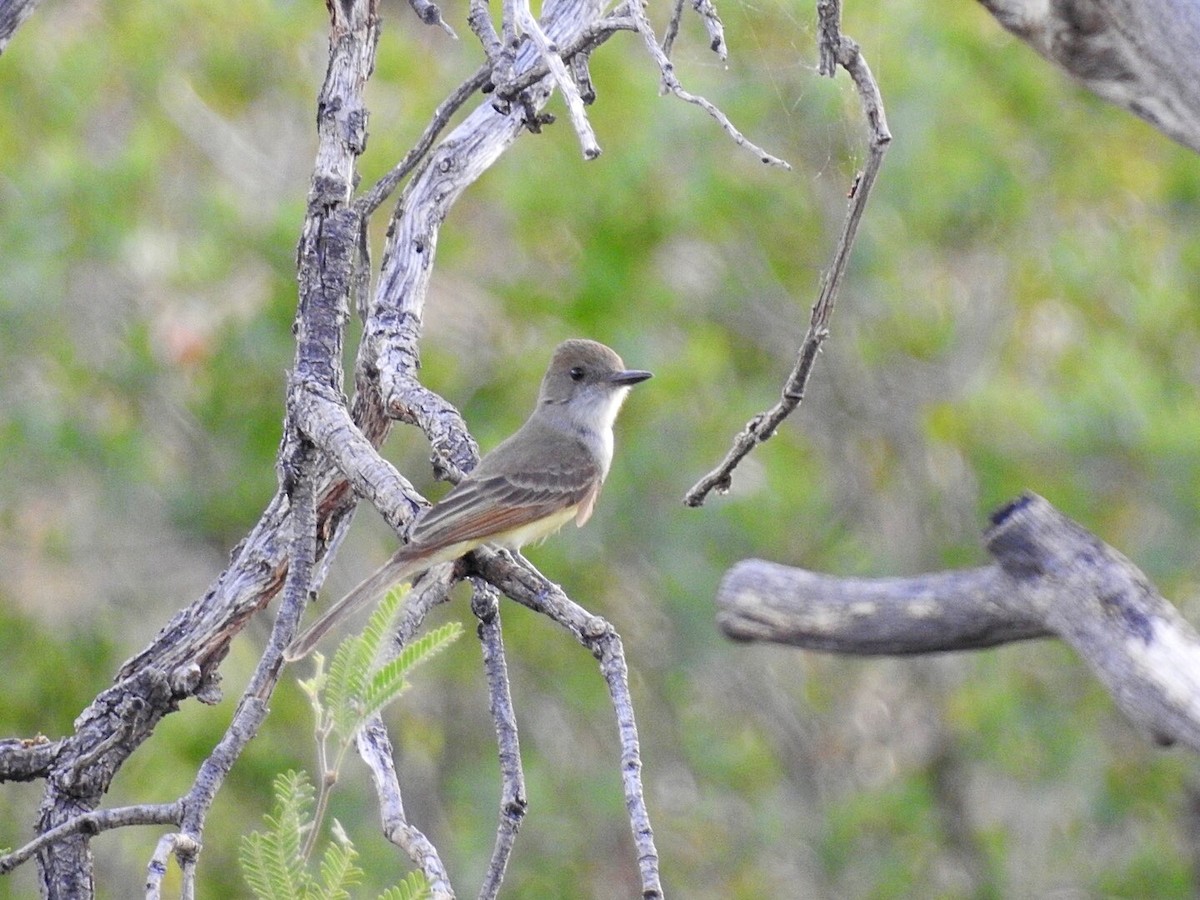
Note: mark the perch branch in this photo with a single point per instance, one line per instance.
(1050, 578)
(523, 583)
(763, 426)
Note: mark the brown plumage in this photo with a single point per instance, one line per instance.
(548, 472)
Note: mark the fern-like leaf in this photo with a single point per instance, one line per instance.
(391, 679)
(351, 668)
(379, 624)
(271, 859)
(413, 887)
(338, 871)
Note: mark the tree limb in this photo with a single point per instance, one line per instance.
(12, 14)
(1050, 578)
(1142, 55)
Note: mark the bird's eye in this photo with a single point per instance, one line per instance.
(576, 373)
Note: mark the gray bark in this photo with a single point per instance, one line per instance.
(1142, 55)
(1050, 578)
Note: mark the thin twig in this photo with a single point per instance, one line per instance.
(713, 25)
(548, 52)
(523, 583)
(382, 189)
(485, 604)
(672, 32)
(671, 84)
(91, 824)
(479, 20)
(591, 37)
(252, 710)
(762, 427)
(179, 846)
(429, 13)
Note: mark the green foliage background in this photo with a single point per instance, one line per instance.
(1021, 312)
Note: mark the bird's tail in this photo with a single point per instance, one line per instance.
(372, 588)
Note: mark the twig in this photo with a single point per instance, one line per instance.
(762, 427)
(479, 20)
(523, 583)
(1051, 577)
(672, 31)
(252, 710)
(91, 824)
(382, 189)
(588, 39)
(183, 848)
(671, 84)
(485, 604)
(548, 51)
(429, 13)
(375, 748)
(714, 27)
(712, 24)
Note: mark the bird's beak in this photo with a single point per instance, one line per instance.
(629, 376)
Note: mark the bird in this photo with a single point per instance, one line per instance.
(548, 472)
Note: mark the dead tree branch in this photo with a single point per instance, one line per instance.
(834, 48)
(1139, 54)
(1050, 578)
(12, 14)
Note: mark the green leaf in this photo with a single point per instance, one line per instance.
(389, 681)
(338, 871)
(413, 887)
(271, 860)
(351, 666)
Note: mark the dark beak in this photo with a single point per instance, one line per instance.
(629, 376)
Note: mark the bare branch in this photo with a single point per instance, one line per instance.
(548, 51)
(91, 824)
(12, 14)
(671, 83)
(375, 748)
(441, 117)
(523, 583)
(485, 604)
(763, 426)
(24, 759)
(1051, 578)
(169, 845)
(764, 601)
(1139, 54)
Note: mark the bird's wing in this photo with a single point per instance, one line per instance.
(486, 504)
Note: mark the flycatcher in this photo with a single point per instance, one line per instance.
(549, 472)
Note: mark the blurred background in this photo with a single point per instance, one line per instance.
(1022, 312)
